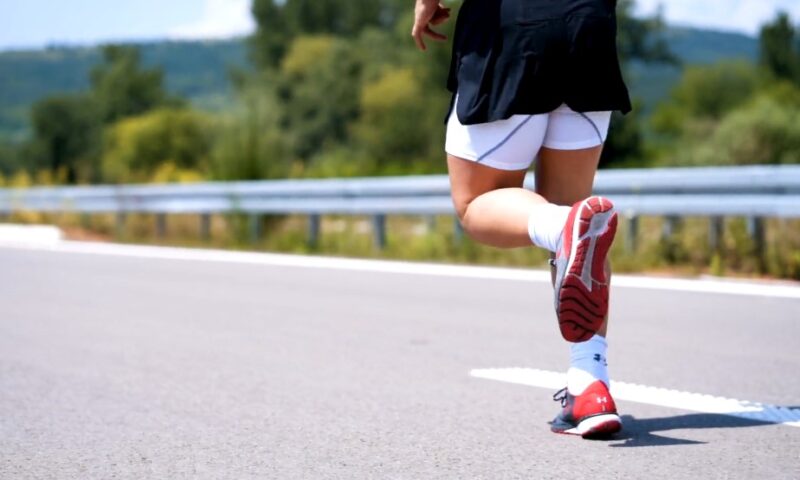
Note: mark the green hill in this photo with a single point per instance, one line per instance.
(199, 70)
(652, 83)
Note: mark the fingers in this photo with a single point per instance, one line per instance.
(434, 34)
(419, 36)
(422, 26)
(441, 16)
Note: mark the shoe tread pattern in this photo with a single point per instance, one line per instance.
(582, 311)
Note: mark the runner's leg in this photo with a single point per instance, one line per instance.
(564, 177)
(488, 163)
(493, 207)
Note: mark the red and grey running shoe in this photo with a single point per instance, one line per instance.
(592, 414)
(581, 288)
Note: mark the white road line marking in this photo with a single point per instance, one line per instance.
(662, 397)
(35, 235)
(778, 290)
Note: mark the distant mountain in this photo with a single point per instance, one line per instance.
(707, 46)
(652, 83)
(199, 71)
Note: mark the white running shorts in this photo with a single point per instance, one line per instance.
(513, 144)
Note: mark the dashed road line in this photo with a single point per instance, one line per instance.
(662, 397)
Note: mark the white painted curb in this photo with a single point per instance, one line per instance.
(30, 235)
(789, 290)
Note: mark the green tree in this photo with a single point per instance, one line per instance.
(734, 112)
(715, 90)
(706, 93)
(66, 133)
(268, 43)
(251, 144)
(779, 51)
(68, 129)
(641, 38)
(122, 88)
(765, 131)
(638, 39)
(280, 21)
(319, 89)
(136, 148)
(395, 126)
(10, 158)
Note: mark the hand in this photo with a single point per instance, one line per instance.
(427, 13)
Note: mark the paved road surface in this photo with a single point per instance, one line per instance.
(123, 367)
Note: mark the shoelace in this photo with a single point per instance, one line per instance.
(561, 396)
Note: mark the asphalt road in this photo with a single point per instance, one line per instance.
(117, 367)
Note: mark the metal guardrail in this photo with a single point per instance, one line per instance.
(755, 192)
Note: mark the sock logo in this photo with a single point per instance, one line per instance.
(600, 359)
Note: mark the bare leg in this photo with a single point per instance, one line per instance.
(492, 205)
(565, 177)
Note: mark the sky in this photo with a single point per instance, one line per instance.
(738, 15)
(38, 23)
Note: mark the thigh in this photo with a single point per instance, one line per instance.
(568, 162)
(469, 180)
(564, 177)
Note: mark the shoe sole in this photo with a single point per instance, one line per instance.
(601, 426)
(597, 427)
(582, 299)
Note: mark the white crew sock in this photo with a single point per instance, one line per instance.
(587, 364)
(546, 223)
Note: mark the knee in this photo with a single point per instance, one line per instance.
(470, 221)
(461, 205)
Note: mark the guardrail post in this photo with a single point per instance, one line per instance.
(669, 227)
(205, 226)
(314, 224)
(161, 225)
(458, 231)
(716, 230)
(121, 219)
(430, 223)
(379, 227)
(256, 229)
(632, 233)
(755, 228)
